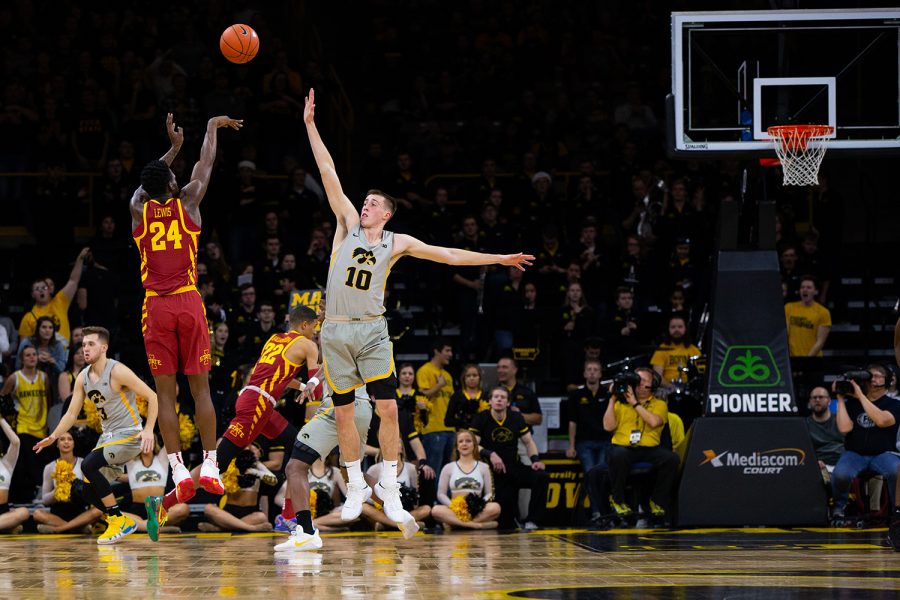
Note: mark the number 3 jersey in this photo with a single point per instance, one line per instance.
(358, 275)
(118, 410)
(167, 241)
(273, 371)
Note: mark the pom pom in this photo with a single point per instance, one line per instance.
(483, 405)
(245, 460)
(409, 497)
(230, 478)
(63, 475)
(93, 415)
(460, 508)
(186, 430)
(476, 503)
(141, 405)
(313, 501)
(320, 503)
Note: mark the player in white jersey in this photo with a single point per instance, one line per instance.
(111, 386)
(356, 348)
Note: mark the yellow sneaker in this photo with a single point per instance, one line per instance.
(119, 527)
(656, 509)
(622, 510)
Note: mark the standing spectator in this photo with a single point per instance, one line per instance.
(672, 356)
(869, 423)
(808, 322)
(259, 332)
(588, 440)
(827, 440)
(521, 399)
(436, 384)
(499, 431)
(30, 388)
(56, 306)
(318, 256)
(578, 322)
(468, 401)
(636, 422)
(624, 334)
(468, 288)
(266, 272)
(52, 355)
(245, 316)
(811, 262)
(247, 207)
(790, 276)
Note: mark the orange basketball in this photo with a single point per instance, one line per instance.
(239, 43)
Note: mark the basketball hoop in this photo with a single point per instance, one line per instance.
(800, 148)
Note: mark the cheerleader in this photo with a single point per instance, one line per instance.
(465, 489)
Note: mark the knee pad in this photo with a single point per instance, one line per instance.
(344, 398)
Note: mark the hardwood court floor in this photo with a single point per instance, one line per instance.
(770, 564)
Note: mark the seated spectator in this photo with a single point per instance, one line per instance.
(146, 476)
(241, 510)
(69, 511)
(468, 401)
(10, 519)
(636, 422)
(30, 388)
(827, 440)
(868, 419)
(671, 358)
(463, 477)
(55, 306)
(408, 478)
(498, 431)
(588, 440)
(522, 399)
(808, 322)
(52, 354)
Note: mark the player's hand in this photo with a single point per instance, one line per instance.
(176, 135)
(47, 441)
(309, 110)
(497, 463)
(148, 441)
(427, 472)
(307, 394)
(518, 261)
(538, 466)
(223, 121)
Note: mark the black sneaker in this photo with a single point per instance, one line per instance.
(837, 518)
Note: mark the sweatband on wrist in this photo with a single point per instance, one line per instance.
(312, 382)
(534, 458)
(485, 454)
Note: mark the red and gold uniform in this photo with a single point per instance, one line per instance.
(173, 319)
(254, 410)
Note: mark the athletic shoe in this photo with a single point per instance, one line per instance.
(356, 496)
(119, 527)
(282, 524)
(393, 509)
(530, 526)
(184, 485)
(622, 510)
(300, 541)
(837, 518)
(157, 515)
(209, 478)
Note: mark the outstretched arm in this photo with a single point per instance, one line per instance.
(405, 245)
(176, 136)
(194, 191)
(68, 419)
(75, 276)
(340, 205)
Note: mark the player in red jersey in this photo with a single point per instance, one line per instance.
(255, 414)
(165, 222)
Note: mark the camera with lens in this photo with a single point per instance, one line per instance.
(623, 381)
(843, 386)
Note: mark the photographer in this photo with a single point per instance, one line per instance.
(636, 420)
(868, 421)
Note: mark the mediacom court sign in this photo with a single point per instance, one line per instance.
(775, 461)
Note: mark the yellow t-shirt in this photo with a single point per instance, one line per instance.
(426, 377)
(672, 358)
(676, 430)
(31, 403)
(628, 420)
(58, 308)
(802, 324)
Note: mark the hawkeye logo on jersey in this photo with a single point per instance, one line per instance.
(758, 462)
(363, 256)
(96, 397)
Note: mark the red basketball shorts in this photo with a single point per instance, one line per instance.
(176, 335)
(254, 415)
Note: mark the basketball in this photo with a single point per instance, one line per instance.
(239, 43)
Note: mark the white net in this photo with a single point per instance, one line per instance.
(800, 149)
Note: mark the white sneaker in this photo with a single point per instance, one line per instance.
(209, 477)
(300, 541)
(356, 496)
(393, 509)
(184, 485)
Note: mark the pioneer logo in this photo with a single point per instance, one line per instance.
(758, 462)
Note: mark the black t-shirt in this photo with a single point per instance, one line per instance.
(524, 399)
(500, 437)
(866, 438)
(586, 409)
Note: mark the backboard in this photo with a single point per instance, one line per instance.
(736, 73)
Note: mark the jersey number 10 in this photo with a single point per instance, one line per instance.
(358, 278)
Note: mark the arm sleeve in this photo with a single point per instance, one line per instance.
(443, 493)
(48, 486)
(488, 492)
